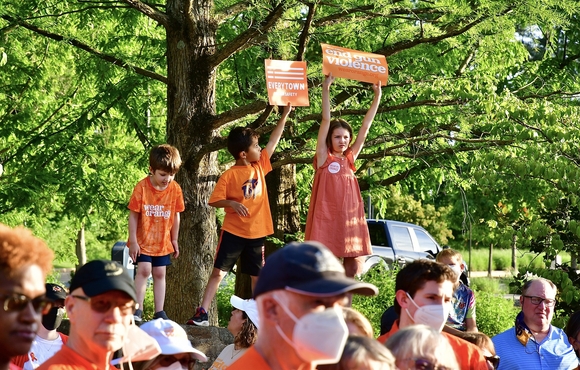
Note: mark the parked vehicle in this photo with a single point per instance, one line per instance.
(398, 242)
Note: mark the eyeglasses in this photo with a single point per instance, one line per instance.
(424, 364)
(493, 360)
(537, 300)
(102, 305)
(17, 302)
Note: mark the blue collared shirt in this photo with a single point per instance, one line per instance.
(552, 353)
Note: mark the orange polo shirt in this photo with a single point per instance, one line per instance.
(469, 356)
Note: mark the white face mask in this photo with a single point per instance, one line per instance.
(174, 366)
(318, 337)
(456, 269)
(433, 315)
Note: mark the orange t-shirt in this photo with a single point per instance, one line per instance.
(157, 209)
(67, 359)
(468, 355)
(246, 185)
(250, 360)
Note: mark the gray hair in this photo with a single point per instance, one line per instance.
(421, 341)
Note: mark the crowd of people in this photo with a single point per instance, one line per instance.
(300, 315)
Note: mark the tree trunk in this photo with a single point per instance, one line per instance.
(490, 262)
(191, 107)
(514, 253)
(81, 247)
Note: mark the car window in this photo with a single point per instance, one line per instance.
(378, 235)
(401, 238)
(425, 242)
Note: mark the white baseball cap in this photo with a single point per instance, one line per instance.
(172, 338)
(249, 306)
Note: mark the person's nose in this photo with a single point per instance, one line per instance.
(29, 314)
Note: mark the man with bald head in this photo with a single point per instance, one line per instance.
(534, 343)
(24, 263)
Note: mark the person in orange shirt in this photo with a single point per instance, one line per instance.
(241, 191)
(336, 215)
(299, 295)
(154, 220)
(423, 294)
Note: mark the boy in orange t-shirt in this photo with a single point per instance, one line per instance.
(241, 190)
(154, 225)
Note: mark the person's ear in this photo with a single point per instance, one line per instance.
(270, 309)
(69, 306)
(243, 154)
(402, 298)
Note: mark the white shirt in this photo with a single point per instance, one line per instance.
(40, 351)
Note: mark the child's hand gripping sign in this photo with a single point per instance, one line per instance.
(286, 82)
(354, 65)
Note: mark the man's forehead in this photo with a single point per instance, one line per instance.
(541, 288)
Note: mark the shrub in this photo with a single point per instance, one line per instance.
(373, 307)
(225, 291)
(494, 313)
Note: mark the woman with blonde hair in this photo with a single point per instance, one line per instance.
(419, 347)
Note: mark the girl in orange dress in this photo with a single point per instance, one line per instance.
(336, 214)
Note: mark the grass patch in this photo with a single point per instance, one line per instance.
(501, 259)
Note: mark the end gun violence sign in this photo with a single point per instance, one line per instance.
(354, 65)
(286, 82)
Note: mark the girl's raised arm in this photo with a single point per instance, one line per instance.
(321, 148)
(367, 121)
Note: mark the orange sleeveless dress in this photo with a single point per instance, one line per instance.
(336, 216)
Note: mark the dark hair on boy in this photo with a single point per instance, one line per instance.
(414, 275)
(334, 124)
(240, 140)
(165, 157)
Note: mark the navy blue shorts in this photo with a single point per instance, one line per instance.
(155, 261)
(232, 247)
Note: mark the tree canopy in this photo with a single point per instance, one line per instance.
(480, 112)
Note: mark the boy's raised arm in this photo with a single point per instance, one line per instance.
(277, 132)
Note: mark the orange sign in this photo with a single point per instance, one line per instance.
(286, 82)
(354, 65)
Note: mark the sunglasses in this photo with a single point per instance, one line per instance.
(493, 360)
(17, 302)
(537, 300)
(167, 360)
(423, 364)
(102, 305)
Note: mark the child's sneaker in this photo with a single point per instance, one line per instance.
(137, 315)
(160, 315)
(200, 318)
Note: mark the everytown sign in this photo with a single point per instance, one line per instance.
(286, 82)
(354, 65)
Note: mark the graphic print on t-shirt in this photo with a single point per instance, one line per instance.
(249, 188)
(152, 210)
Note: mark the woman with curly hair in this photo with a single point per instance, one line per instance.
(25, 261)
(243, 325)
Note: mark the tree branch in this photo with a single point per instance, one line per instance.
(149, 11)
(87, 48)
(233, 115)
(244, 39)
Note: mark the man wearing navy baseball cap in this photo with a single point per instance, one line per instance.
(100, 308)
(299, 294)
